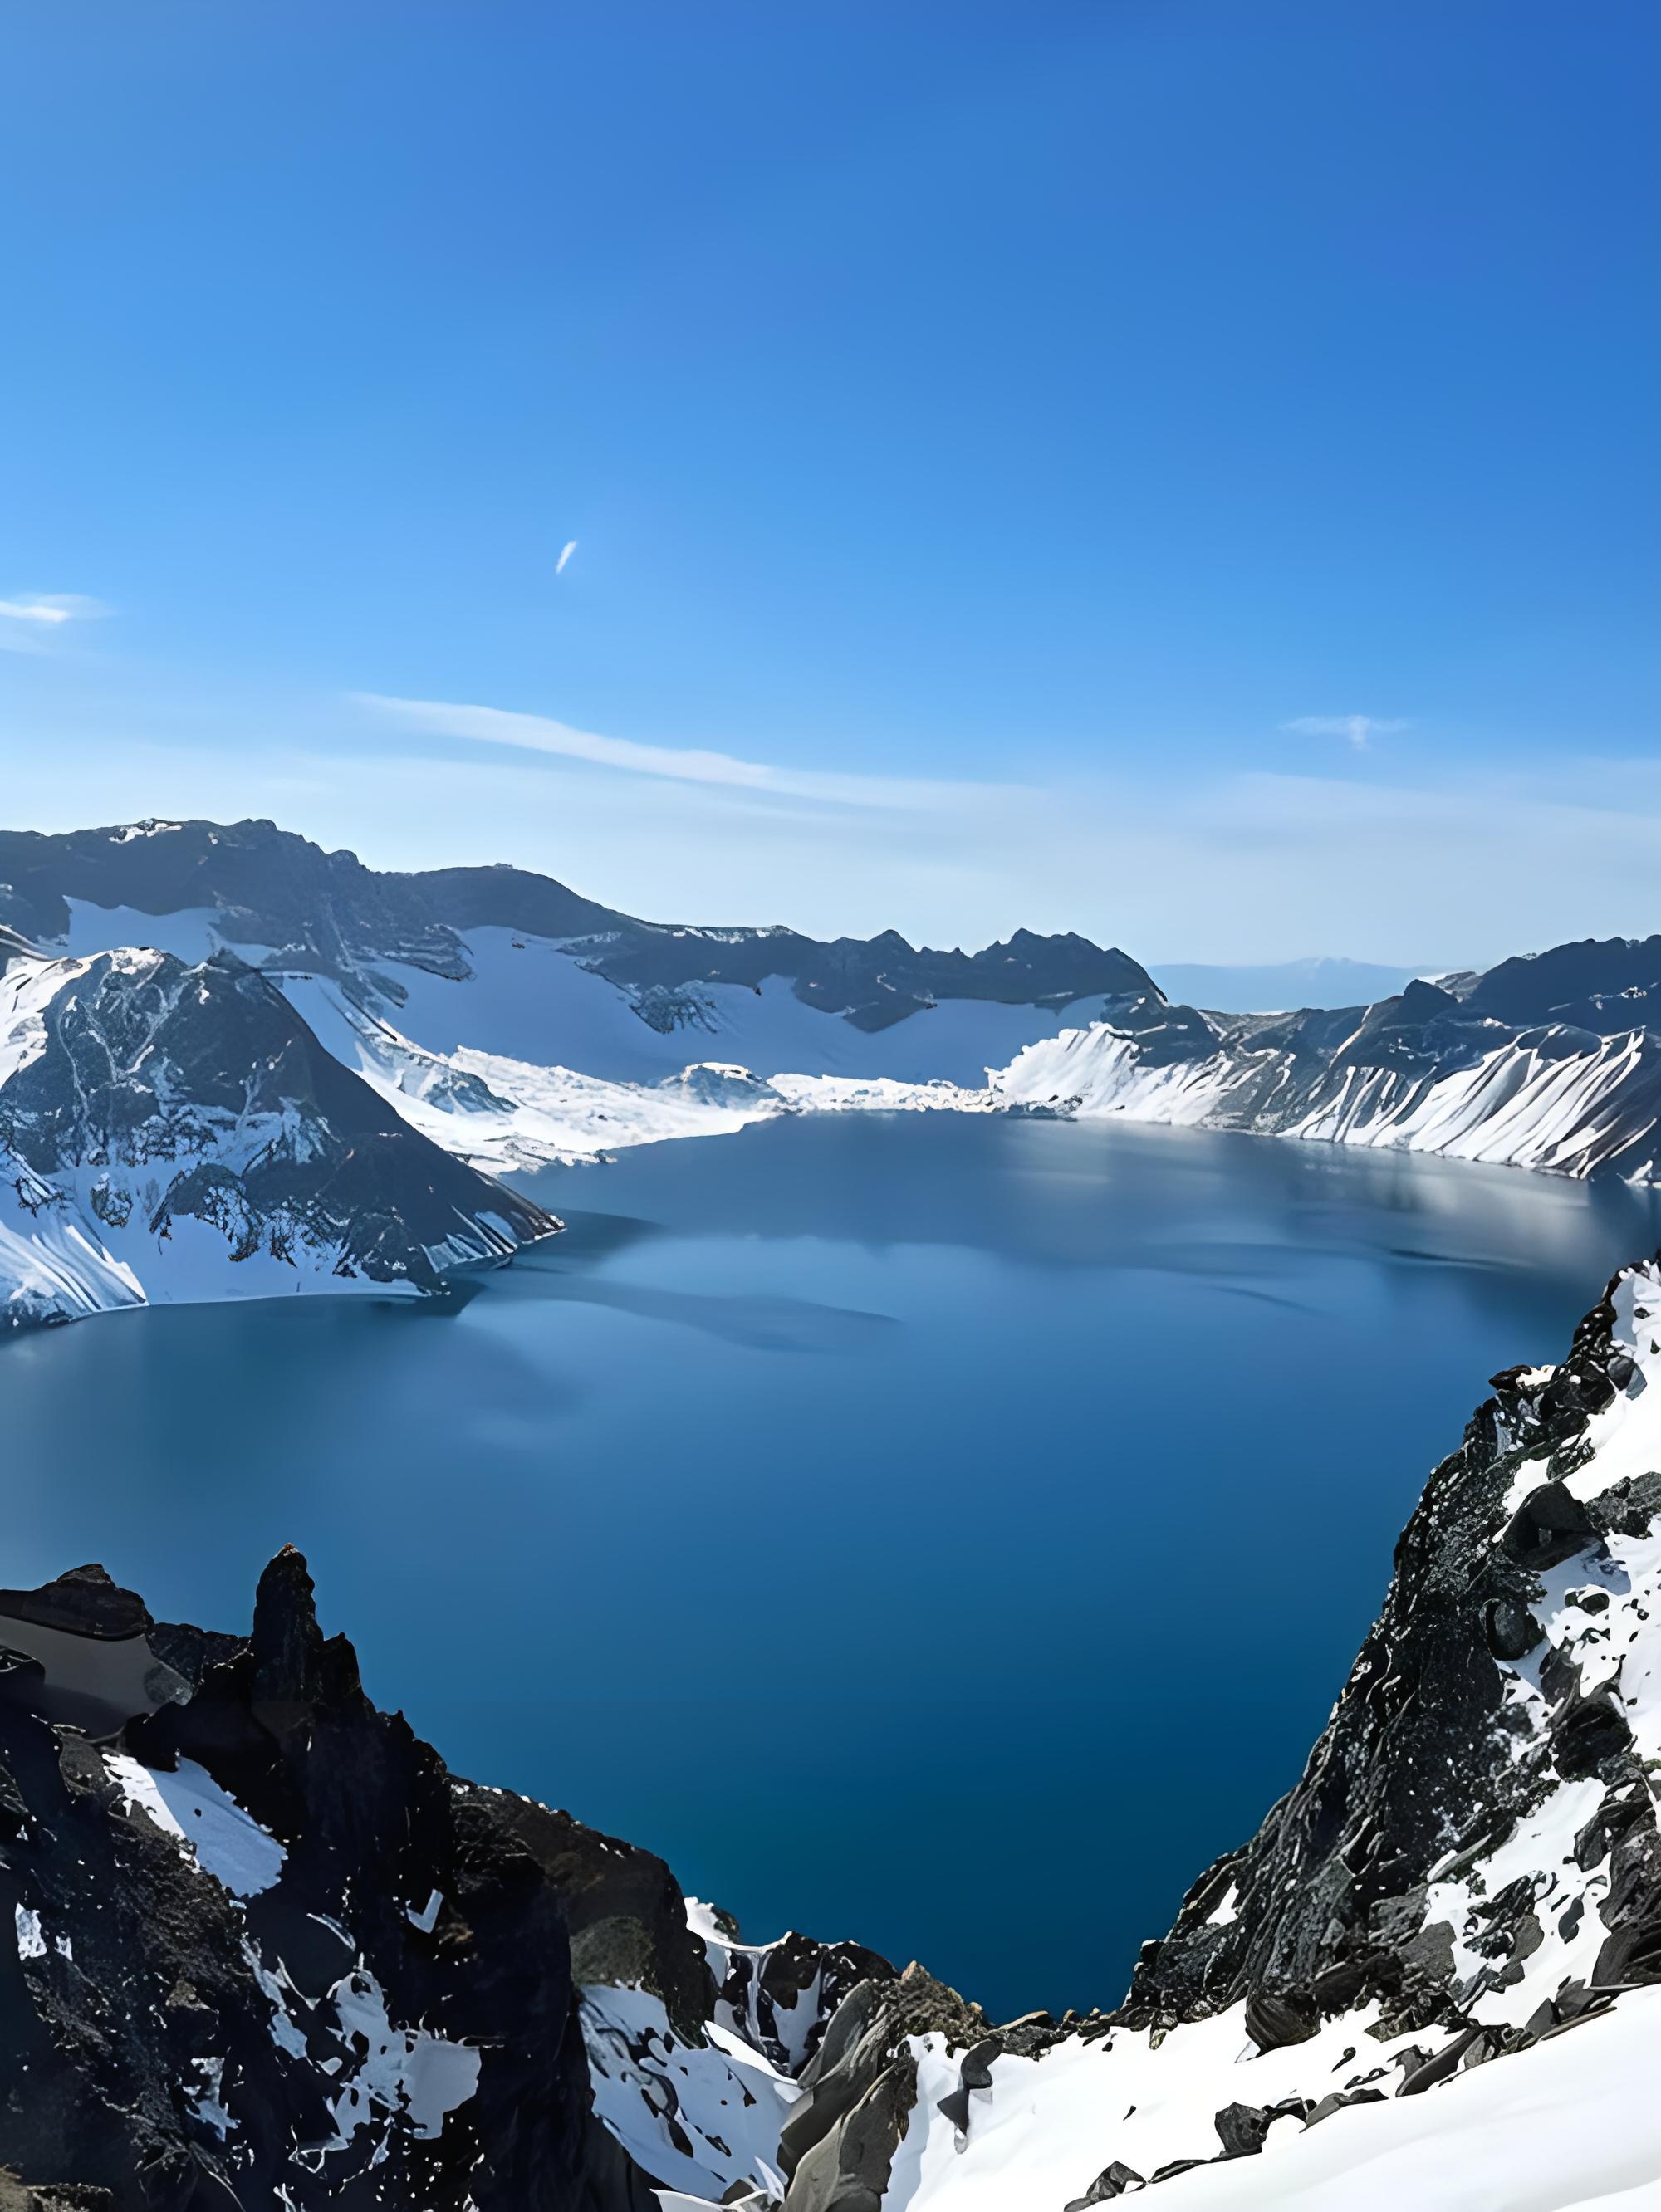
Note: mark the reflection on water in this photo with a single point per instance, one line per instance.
(946, 1531)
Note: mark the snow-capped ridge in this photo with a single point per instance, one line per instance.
(1427, 1073)
(170, 1131)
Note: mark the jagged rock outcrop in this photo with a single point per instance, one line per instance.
(169, 1131)
(780, 1996)
(268, 1951)
(838, 2146)
(1446, 1741)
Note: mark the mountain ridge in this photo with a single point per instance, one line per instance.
(287, 893)
(168, 1130)
(462, 999)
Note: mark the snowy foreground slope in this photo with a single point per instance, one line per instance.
(170, 1132)
(268, 1953)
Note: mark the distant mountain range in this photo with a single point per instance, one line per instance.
(231, 1063)
(1283, 986)
(254, 884)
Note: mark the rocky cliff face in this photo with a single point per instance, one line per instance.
(1505, 1709)
(169, 1131)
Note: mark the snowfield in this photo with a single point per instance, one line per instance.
(500, 1114)
(1571, 2125)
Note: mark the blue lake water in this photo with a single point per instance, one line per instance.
(948, 1531)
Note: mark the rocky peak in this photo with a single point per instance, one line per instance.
(84, 1601)
(292, 1670)
(143, 1102)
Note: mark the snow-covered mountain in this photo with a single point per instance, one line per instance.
(170, 1132)
(270, 1953)
(1548, 1062)
(511, 964)
(513, 1022)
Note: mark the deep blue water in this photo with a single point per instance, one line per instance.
(947, 1531)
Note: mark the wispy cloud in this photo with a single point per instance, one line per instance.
(26, 622)
(1357, 728)
(540, 733)
(569, 547)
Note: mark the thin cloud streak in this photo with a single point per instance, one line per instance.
(1357, 728)
(540, 733)
(570, 547)
(26, 622)
(1452, 870)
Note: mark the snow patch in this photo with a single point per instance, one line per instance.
(190, 1806)
(404, 2071)
(656, 2092)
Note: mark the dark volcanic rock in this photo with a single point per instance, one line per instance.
(1118, 2179)
(85, 1601)
(847, 2170)
(780, 1997)
(624, 1910)
(369, 2003)
(1423, 1745)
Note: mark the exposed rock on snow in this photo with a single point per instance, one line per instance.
(219, 1998)
(703, 2095)
(779, 1997)
(169, 1132)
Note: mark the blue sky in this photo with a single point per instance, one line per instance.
(1006, 447)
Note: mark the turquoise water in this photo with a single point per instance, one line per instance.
(943, 1530)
